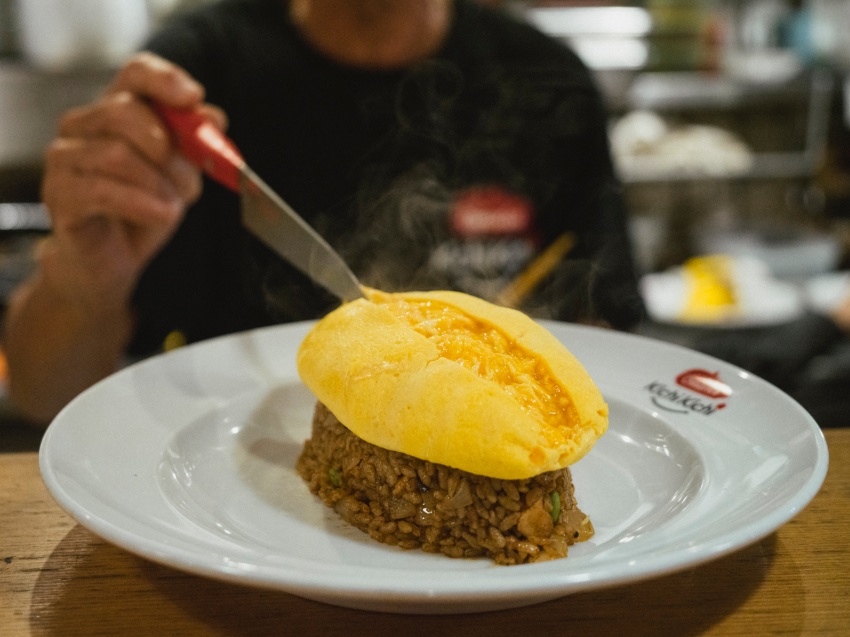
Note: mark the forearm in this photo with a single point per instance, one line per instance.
(56, 350)
(116, 188)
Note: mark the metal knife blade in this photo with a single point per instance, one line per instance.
(264, 212)
(274, 221)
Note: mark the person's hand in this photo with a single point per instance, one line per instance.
(115, 185)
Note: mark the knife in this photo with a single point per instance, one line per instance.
(264, 212)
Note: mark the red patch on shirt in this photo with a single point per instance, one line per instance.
(490, 211)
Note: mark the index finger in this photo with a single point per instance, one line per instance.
(153, 77)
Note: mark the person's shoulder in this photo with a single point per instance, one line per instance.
(506, 34)
(226, 10)
(213, 38)
(223, 16)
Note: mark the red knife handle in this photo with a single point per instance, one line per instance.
(203, 144)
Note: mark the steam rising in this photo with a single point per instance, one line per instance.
(443, 132)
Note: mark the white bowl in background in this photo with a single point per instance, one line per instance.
(787, 257)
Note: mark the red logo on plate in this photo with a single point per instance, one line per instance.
(705, 383)
(698, 392)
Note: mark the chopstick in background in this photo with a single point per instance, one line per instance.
(527, 280)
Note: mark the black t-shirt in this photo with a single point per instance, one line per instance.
(455, 173)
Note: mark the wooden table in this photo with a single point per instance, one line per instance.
(56, 578)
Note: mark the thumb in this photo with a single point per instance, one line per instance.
(154, 77)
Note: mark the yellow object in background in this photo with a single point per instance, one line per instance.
(173, 340)
(710, 289)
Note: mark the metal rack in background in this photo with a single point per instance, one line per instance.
(21, 227)
(677, 91)
(620, 44)
(23, 217)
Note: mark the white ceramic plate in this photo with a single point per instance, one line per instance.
(187, 459)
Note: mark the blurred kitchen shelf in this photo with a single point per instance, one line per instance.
(23, 217)
(704, 91)
(31, 103)
(765, 166)
(22, 225)
(679, 92)
(622, 36)
(617, 42)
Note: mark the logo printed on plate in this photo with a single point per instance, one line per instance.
(697, 391)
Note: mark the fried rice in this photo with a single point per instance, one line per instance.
(411, 503)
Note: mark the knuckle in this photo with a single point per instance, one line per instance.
(68, 121)
(149, 74)
(48, 196)
(55, 153)
(117, 158)
(192, 188)
(186, 179)
(59, 158)
(101, 194)
(134, 67)
(167, 72)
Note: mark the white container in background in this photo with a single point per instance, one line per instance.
(59, 35)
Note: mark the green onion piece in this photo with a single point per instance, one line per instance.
(555, 499)
(335, 476)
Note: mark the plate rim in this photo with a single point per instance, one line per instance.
(412, 598)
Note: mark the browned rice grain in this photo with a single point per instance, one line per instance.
(404, 501)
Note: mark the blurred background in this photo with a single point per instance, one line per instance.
(729, 127)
